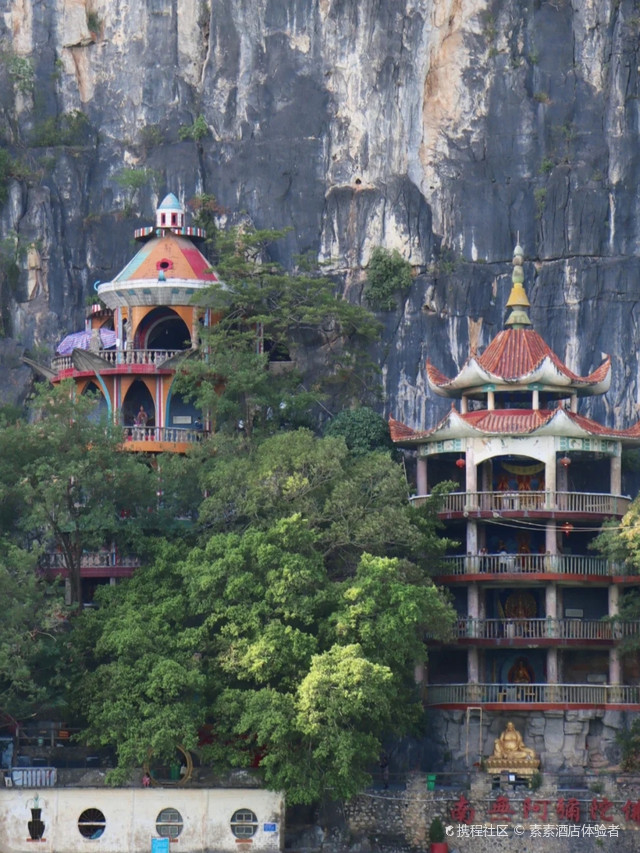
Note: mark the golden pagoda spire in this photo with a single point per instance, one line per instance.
(518, 319)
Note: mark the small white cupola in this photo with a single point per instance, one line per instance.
(170, 214)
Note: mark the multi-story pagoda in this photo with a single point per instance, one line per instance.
(144, 323)
(536, 606)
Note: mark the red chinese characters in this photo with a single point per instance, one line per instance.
(631, 811)
(568, 809)
(461, 811)
(500, 809)
(536, 808)
(599, 810)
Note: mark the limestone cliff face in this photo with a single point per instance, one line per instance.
(438, 127)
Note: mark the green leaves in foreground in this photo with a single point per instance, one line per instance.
(250, 635)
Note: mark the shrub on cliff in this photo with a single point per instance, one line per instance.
(388, 274)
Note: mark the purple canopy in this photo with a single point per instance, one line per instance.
(80, 340)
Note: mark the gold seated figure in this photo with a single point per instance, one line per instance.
(510, 754)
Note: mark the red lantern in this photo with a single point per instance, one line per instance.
(460, 463)
(565, 461)
(566, 528)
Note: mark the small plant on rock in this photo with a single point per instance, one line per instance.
(196, 131)
(387, 274)
(535, 781)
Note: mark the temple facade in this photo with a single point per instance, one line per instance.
(536, 636)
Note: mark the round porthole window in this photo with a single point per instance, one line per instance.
(169, 823)
(91, 823)
(244, 823)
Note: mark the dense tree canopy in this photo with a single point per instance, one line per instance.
(286, 618)
(286, 581)
(65, 485)
(251, 635)
(29, 640)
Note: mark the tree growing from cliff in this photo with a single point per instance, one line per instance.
(388, 275)
(362, 429)
(257, 355)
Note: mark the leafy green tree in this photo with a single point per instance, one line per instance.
(249, 634)
(269, 320)
(362, 429)
(66, 484)
(620, 543)
(132, 180)
(353, 503)
(138, 674)
(30, 639)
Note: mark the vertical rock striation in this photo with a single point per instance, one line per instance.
(437, 127)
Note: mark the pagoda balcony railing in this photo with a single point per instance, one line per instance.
(95, 560)
(469, 628)
(167, 434)
(536, 694)
(502, 564)
(586, 503)
(118, 357)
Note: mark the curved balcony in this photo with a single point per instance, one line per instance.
(502, 696)
(120, 357)
(161, 439)
(518, 504)
(545, 631)
(489, 566)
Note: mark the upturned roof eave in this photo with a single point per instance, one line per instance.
(472, 379)
(561, 423)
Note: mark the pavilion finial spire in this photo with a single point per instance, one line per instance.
(518, 302)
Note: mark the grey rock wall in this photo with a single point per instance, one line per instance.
(438, 127)
(575, 742)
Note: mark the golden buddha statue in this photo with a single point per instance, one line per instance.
(510, 753)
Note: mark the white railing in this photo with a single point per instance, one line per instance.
(499, 564)
(95, 560)
(565, 694)
(171, 434)
(34, 777)
(468, 628)
(569, 502)
(120, 356)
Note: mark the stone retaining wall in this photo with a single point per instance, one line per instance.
(400, 819)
